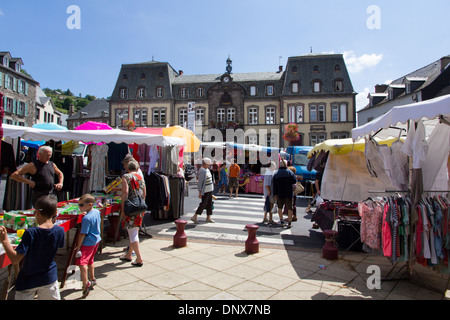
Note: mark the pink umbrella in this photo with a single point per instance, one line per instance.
(92, 125)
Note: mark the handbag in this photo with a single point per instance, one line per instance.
(135, 206)
(298, 188)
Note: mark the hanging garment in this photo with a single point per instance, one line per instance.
(371, 214)
(99, 154)
(415, 145)
(434, 169)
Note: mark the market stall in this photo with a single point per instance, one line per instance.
(164, 145)
(420, 232)
(251, 158)
(68, 217)
(345, 181)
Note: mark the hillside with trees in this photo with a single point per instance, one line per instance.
(64, 99)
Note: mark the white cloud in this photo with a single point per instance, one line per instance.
(361, 99)
(357, 64)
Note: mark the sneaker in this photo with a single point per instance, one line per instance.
(265, 221)
(271, 222)
(86, 290)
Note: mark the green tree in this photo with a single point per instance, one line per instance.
(67, 103)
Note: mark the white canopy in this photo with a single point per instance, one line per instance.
(107, 136)
(399, 116)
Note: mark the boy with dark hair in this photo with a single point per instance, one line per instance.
(88, 241)
(38, 248)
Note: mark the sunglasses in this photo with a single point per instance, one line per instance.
(82, 204)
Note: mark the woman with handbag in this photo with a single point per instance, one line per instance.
(133, 194)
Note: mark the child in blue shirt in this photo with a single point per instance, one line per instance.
(38, 275)
(88, 241)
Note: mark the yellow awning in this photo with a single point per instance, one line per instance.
(343, 146)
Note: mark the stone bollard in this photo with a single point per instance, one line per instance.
(330, 249)
(180, 238)
(251, 244)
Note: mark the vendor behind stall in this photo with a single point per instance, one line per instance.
(42, 173)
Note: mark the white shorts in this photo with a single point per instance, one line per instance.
(133, 234)
(48, 292)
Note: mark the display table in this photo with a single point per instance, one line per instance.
(67, 222)
(255, 184)
(328, 212)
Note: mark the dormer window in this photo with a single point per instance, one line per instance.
(161, 75)
(294, 87)
(337, 67)
(200, 92)
(253, 90)
(183, 92)
(124, 76)
(142, 76)
(123, 93)
(6, 61)
(17, 67)
(269, 90)
(317, 86)
(141, 93)
(294, 69)
(338, 85)
(316, 69)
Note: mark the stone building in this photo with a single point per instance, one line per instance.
(428, 82)
(19, 92)
(314, 91)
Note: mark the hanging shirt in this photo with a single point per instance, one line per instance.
(415, 145)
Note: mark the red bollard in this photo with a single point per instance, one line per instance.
(330, 249)
(180, 238)
(251, 244)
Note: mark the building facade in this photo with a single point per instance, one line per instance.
(97, 111)
(19, 92)
(46, 111)
(314, 91)
(428, 82)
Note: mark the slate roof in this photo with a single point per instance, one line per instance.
(172, 81)
(94, 109)
(424, 76)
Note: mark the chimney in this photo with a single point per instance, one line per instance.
(444, 62)
(180, 72)
(280, 68)
(380, 88)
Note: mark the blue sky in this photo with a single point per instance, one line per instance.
(197, 36)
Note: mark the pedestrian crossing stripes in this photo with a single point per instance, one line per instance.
(231, 215)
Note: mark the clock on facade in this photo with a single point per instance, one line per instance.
(226, 79)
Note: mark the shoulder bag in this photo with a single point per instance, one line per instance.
(135, 206)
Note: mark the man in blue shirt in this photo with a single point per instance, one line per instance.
(283, 182)
(88, 241)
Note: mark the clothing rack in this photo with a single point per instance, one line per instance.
(409, 272)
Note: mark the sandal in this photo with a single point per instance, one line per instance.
(124, 258)
(86, 290)
(137, 264)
